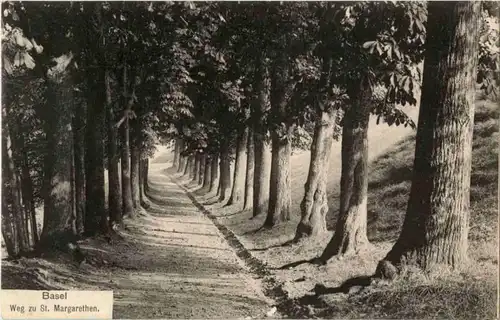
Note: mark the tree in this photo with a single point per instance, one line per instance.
(238, 190)
(248, 198)
(436, 223)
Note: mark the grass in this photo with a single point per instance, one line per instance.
(466, 294)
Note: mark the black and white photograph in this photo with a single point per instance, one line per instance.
(250, 159)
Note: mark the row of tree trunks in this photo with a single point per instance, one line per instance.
(248, 197)
(238, 190)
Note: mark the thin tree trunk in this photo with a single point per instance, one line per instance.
(185, 169)
(177, 150)
(127, 205)
(114, 188)
(262, 168)
(201, 172)
(314, 206)
(436, 223)
(135, 160)
(8, 227)
(96, 214)
(182, 158)
(249, 172)
(57, 169)
(238, 190)
(197, 160)
(207, 177)
(214, 172)
(350, 231)
(79, 165)
(225, 172)
(189, 166)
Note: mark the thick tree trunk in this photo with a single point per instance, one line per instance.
(350, 231)
(214, 172)
(79, 166)
(143, 182)
(201, 171)
(225, 172)
(114, 188)
(135, 161)
(249, 172)
(185, 169)
(280, 198)
(11, 189)
(238, 191)
(182, 159)
(436, 223)
(314, 206)
(57, 169)
(207, 177)
(96, 214)
(262, 166)
(127, 205)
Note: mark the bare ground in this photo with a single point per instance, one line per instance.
(171, 262)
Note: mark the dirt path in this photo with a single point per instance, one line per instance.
(172, 263)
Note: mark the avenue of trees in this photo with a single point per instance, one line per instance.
(90, 88)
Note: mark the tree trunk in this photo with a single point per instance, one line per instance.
(13, 195)
(127, 205)
(436, 223)
(185, 169)
(262, 155)
(249, 172)
(135, 160)
(350, 231)
(57, 168)
(146, 175)
(177, 151)
(189, 165)
(225, 172)
(8, 227)
(79, 165)
(203, 160)
(314, 206)
(96, 214)
(143, 182)
(182, 159)
(207, 177)
(197, 165)
(214, 172)
(114, 188)
(238, 191)
(280, 198)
